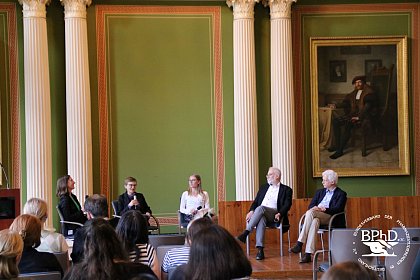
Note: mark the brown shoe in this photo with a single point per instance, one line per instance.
(296, 249)
(306, 258)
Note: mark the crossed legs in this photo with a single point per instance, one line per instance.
(259, 219)
(313, 219)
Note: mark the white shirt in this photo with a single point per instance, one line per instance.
(327, 198)
(191, 202)
(359, 92)
(270, 198)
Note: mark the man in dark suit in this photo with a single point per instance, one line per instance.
(132, 200)
(272, 203)
(327, 201)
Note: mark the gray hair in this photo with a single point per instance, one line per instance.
(276, 171)
(331, 176)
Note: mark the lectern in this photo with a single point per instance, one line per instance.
(9, 206)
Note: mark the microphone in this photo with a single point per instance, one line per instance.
(135, 198)
(199, 208)
(5, 175)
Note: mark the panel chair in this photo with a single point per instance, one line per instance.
(282, 229)
(67, 231)
(397, 269)
(325, 229)
(153, 227)
(343, 246)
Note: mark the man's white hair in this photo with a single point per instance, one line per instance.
(331, 176)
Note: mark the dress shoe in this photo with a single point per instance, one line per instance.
(296, 249)
(306, 258)
(332, 149)
(336, 155)
(242, 237)
(260, 254)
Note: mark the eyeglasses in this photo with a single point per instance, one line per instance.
(193, 180)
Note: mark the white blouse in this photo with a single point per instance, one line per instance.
(191, 202)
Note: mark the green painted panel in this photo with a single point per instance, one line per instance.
(343, 25)
(162, 105)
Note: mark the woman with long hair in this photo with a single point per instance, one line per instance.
(52, 242)
(214, 254)
(11, 247)
(29, 228)
(132, 232)
(193, 199)
(69, 205)
(105, 258)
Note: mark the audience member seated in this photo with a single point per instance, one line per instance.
(327, 201)
(96, 206)
(29, 228)
(133, 233)
(349, 271)
(194, 201)
(68, 204)
(132, 200)
(52, 242)
(11, 246)
(105, 258)
(180, 255)
(214, 254)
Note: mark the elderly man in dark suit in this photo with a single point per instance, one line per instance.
(327, 201)
(272, 203)
(360, 108)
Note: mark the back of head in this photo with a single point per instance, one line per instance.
(29, 228)
(215, 254)
(11, 246)
(132, 229)
(348, 271)
(197, 225)
(101, 248)
(37, 207)
(97, 205)
(62, 185)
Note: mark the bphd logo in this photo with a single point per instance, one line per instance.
(372, 242)
(379, 242)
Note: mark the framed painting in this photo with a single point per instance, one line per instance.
(359, 126)
(338, 71)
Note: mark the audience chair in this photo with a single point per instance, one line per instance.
(53, 275)
(282, 229)
(342, 244)
(154, 226)
(414, 233)
(63, 259)
(68, 233)
(325, 228)
(403, 269)
(166, 239)
(163, 249)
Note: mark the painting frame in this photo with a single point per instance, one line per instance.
(325, 49)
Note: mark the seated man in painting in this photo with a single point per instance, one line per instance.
(360, 107)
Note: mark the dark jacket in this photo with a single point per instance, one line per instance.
(284, 200)
(337, 204)
(69, 210)
(124, 200)
(34, 261)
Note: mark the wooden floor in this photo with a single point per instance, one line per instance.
(276, 267)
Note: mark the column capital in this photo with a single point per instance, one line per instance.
(279, 8)
(242, 9)
(34, 8)
(75, 8)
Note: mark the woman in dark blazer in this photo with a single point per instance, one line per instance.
(69, 204)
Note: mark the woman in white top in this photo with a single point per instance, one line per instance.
(193, 200)
(51, 242)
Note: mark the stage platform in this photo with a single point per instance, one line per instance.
(276, 267)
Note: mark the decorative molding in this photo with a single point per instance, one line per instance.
(279, 8)
(104, 126)
(34, 8)
(242, 9)
(14, 100)
(75, 8)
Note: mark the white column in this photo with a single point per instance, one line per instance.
(282, 99)
(37, 103)
(79, 130)
(245, 101)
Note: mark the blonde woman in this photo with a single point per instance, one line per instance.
(193, 201)
(29, 228)
(11, 247)
(52, 242)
